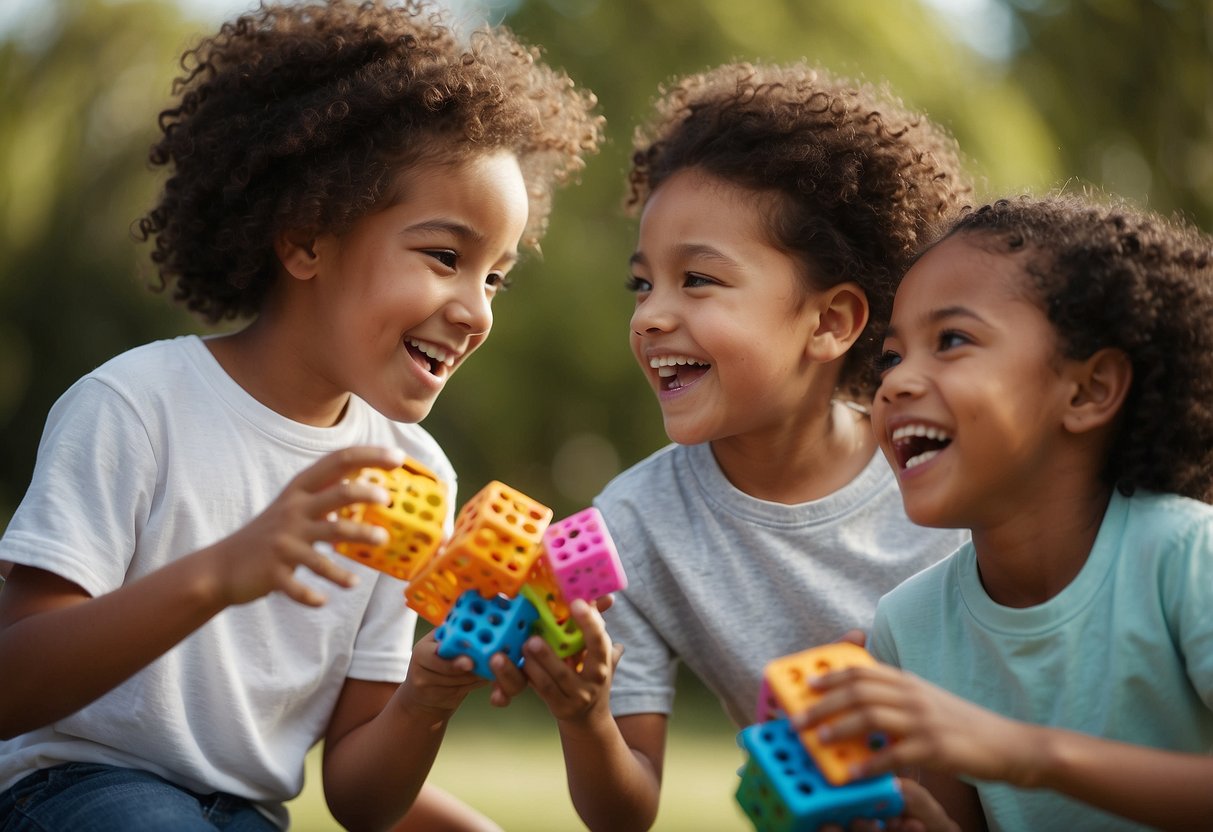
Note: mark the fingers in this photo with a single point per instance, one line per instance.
(856, 636)
(333, 467)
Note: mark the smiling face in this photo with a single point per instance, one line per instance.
(969, 411)
(398, 302)
(721, 318)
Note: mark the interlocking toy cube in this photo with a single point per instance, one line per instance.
(788, 678)
(492, 549)
(562, 634)
(781, 789)
(479, 627)
(768, 707)
(413, 519)
(582, 556)
(497, 539)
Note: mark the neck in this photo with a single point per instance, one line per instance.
(798, 463)
(277, 370)
(1041, 547)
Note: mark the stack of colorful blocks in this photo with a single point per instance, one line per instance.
(793, 782)
(506, 573)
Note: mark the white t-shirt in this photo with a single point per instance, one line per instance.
(159, 453)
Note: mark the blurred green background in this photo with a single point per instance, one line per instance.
(1117, 94)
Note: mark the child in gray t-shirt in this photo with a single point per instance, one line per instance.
(778, 208)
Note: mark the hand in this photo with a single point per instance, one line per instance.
(436, 684)
(262, 557)
(928, 726)
(922, 811)
(574, 692)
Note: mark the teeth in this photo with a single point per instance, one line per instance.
(672, 361)
(907, 431)
(433, 351)
(925, 456)
(666, 372)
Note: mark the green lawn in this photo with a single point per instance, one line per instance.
(507, 763)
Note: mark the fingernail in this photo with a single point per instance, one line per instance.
(382, 496)
(825, 733)
(396, 455)
(379, 535)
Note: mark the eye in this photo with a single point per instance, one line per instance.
(445, 256)
(693, 280)
(498, 282)
(951, 338)
(638, 285)
(886, 361)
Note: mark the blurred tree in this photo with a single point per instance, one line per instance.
(79, 93)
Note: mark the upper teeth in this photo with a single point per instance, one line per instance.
(920, 430)
(665, 364)
(433, 351)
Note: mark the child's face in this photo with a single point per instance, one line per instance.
(720, 323)
(403, 297)
(968, 412)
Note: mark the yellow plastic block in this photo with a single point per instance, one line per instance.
(413, 519)
(788, 680)
(562, 634)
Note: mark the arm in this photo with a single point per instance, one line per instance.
(62, 649)
(382, 738)
(936, 729)
(614, 767)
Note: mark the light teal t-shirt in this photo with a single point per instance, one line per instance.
(1124, 652)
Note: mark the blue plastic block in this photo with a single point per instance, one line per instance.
(782, 790)
(479, 627)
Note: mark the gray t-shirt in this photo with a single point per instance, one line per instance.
(727, 582)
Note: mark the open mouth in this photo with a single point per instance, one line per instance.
(677, 371)
(435, 360)
(916, 444)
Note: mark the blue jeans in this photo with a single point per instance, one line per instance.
(88, 797)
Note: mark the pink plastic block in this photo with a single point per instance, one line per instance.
(768, 706)
(582, 556)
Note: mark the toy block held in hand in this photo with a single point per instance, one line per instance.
(788, 678)
(413, 519)
(479, 627)
(768, 707)
(562, 634)
(433, 591)
(782, 790)
(496, 540)
(582, 556)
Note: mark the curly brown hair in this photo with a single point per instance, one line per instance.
(861, 181)
(1109, 274)
(300, 117)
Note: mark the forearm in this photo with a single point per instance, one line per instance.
(374, 773)
(612, 786)
(1164, 789)
(60, 659)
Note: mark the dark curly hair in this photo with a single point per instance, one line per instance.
(861, 181)
(299, 117)
(1109, 274)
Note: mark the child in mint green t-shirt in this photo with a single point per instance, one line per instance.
(1048, 384)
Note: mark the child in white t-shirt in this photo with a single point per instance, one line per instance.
(356, 180)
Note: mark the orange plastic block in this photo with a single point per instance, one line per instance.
(788, 680)
(433, 591)
(496, 541)
(544, 583)
(413, 519)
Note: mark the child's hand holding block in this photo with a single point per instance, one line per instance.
(788, 678)
(413, 519)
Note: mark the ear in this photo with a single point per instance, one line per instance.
(1101, 384)
(296, 251)
(842, 315)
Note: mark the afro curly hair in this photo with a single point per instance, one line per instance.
(301, 116)
(861, 182)
(1109, 274)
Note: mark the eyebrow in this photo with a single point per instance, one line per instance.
(687, 251)
(462, 232)
(942, 314)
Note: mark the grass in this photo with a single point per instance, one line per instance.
(508, 764)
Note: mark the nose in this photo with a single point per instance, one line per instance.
(900, 382)
(651, 316)
(471, 309)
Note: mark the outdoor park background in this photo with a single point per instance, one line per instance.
(1116, 94)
